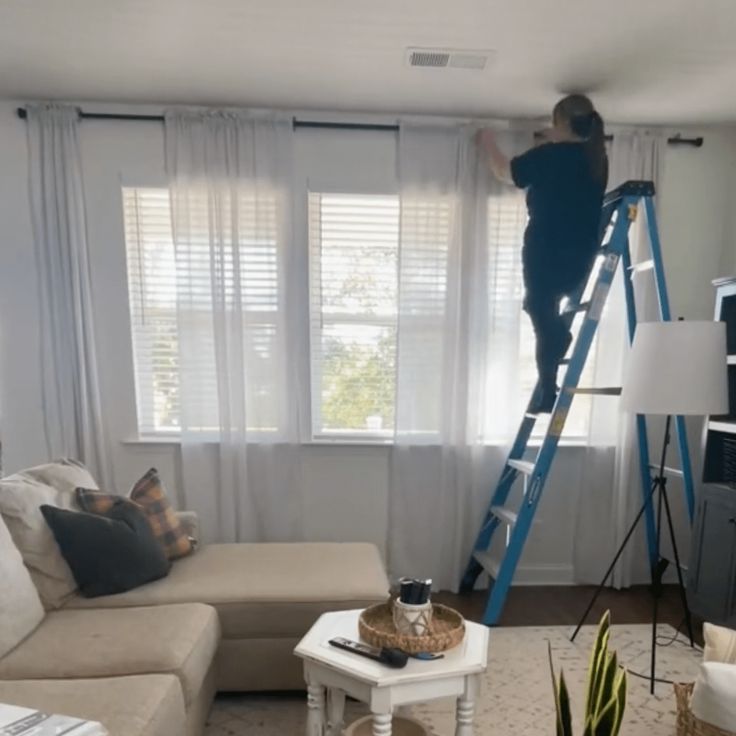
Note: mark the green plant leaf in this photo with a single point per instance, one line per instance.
(606, 690)
(588, 726)
(555, 691)
(595, 670)
(605, 722)
(620, 687)
(564, 700)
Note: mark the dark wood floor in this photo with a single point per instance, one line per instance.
(564, 605)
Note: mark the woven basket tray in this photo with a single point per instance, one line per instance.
(376, 626)
(687, 723)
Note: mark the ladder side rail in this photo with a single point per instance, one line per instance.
(640, 420)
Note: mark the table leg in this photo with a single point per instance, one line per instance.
(335, 712)
(466, 708)
(382, 724)
(315, 710)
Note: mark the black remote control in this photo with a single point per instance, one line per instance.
(390, 657)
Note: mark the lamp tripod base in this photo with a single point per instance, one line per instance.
(659, 564)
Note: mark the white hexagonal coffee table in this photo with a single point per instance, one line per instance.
(332, 673)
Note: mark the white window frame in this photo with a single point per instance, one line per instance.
(317, 320)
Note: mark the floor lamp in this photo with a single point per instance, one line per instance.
(674, 368)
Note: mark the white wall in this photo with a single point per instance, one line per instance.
(345, 487)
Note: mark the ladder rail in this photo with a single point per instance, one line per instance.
(640, 420)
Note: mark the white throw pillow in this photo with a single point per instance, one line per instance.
(21, 496)
(714, 696)
(720, 644)
(21, 610)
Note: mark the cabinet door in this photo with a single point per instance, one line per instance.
(712, 578)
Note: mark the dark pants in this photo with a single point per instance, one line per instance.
(553, 338)
(546, 283)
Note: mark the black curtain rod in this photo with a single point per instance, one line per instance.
(23, 114)
(324, 125)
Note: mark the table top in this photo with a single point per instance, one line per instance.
(469, 657)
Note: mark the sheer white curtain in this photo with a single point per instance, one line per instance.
(230, 177)
(610, 488)
(74, 425)
(457, 333)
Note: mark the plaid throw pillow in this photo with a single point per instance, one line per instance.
(149, 494)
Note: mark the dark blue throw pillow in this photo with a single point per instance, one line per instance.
(108, 553)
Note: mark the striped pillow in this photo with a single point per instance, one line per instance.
(150, 495)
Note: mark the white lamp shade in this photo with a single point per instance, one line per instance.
(677, 368)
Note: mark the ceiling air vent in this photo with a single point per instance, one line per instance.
(447, 58)
(429, 58)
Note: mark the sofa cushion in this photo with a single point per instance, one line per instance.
(111, 553)
(179, 639)
(144, 705)
(21, 610)
(21, 496)
(66, 475)
(720, 644)
(714, 700)
(266, 590)
(150, 495)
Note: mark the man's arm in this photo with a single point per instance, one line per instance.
(497, 159)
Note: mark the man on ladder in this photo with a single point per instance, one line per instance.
(565, 179)
(611, 243)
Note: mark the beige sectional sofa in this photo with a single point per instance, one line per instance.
(148, 662)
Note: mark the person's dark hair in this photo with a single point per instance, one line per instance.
(585, 122)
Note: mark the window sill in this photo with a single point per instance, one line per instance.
(341, 442)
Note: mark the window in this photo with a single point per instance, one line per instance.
(353, 313)
(353, 241)
(161, 329)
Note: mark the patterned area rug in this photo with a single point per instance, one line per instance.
(517, 693)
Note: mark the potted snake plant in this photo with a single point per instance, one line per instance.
(606, 690)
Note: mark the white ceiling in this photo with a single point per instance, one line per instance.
(645, 61)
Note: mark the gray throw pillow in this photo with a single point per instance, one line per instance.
(108, 553)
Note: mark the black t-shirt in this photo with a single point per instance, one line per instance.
(564, 202)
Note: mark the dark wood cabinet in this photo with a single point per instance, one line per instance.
(712, 577)
(712, 569)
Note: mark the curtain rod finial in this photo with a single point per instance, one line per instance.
(22, 113)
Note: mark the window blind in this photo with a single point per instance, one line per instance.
(152, 300)
(353, 241)
(225, 276)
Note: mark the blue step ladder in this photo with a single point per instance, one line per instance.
(620, 208)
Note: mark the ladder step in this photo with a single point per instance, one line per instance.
(488, 563)
(632, 188)
(523, 466)
(669, 471)
(605, 391)
(643, 266)
(507, 516)
(575, 308)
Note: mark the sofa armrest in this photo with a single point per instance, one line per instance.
(190, 521)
